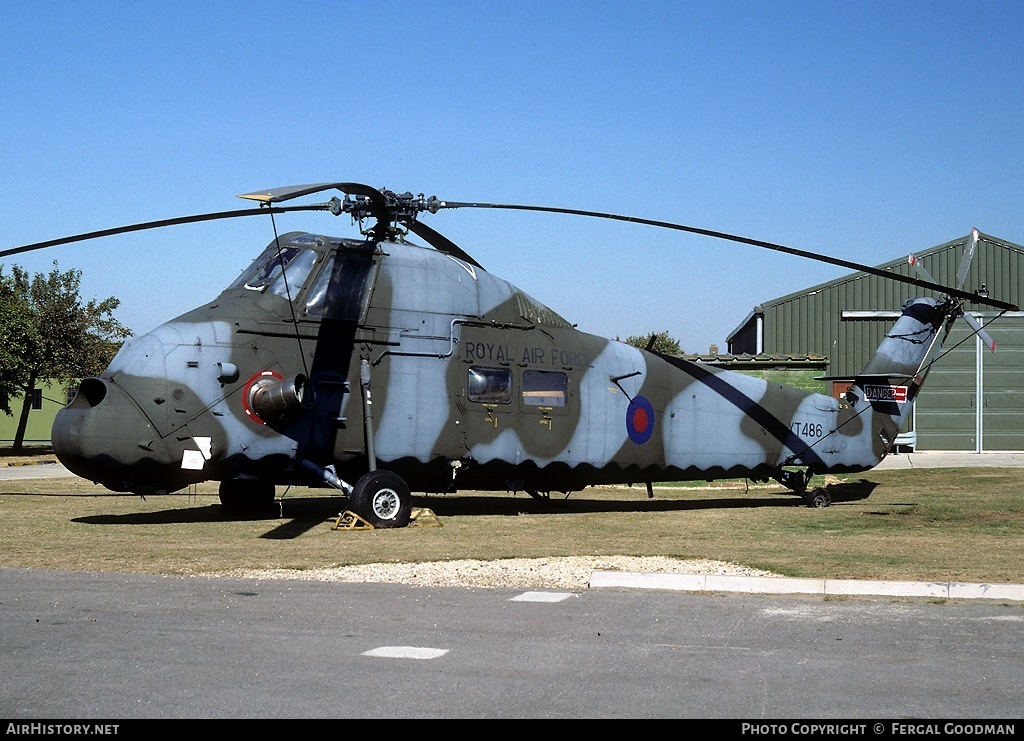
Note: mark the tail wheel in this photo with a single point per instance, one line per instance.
(818, 498)
(383, 499)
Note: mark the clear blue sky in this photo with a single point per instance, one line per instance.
(864, 130)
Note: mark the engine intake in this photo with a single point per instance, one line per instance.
(270, 398)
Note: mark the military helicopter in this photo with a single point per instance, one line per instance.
(379, 366)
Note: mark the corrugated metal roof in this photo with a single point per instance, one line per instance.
(794, 322)
(942, 261)
(842, 318)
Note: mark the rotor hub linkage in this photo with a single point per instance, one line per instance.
(391, 210)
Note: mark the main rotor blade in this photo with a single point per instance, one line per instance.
(441, 243)
(276, 195)
(161, 223)
(945, 290)
(378, 202)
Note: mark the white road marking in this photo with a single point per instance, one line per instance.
(406, 652)
(541, 597)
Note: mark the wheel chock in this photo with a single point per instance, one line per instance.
(418, 517)
(423, 517)
(349, 520)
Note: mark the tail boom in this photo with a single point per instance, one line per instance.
(892, 379)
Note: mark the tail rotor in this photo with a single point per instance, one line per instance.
(956, 303)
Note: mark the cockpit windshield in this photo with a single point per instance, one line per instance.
(327, 278)
(279, 271)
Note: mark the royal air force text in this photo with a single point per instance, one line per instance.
(498, 352)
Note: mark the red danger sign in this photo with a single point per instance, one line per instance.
(886, 393)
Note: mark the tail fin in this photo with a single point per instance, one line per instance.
(893, 377)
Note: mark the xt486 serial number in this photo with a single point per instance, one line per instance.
(808, 429)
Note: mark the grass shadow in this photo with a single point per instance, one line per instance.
(851, 491)
(293, 517)
(305, 508)
(463, 505)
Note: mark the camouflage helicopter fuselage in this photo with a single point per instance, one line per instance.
(362, 355)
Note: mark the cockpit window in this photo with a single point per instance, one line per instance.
(281, 272)
(287, 282)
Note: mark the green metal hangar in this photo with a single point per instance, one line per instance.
(973, 399)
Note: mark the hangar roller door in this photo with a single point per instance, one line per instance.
(974, 400)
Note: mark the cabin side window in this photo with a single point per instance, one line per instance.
(489, 385)
(545, 388)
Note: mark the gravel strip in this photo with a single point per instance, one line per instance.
(559, 573)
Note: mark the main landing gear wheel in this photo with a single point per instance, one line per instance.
(818, 498)
(246, 496)
(383, 499)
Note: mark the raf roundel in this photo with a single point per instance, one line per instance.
(640, 420)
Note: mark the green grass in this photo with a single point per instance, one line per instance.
(930, 525)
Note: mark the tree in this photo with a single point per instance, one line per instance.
(47, 332)
(659, 342)
(15, 329)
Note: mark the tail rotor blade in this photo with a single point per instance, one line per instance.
(965, 261)
(921, 269)
(979, 330)
(961, 278)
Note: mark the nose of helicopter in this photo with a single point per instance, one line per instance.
(105, 437)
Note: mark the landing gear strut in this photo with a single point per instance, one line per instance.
(797, 481)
